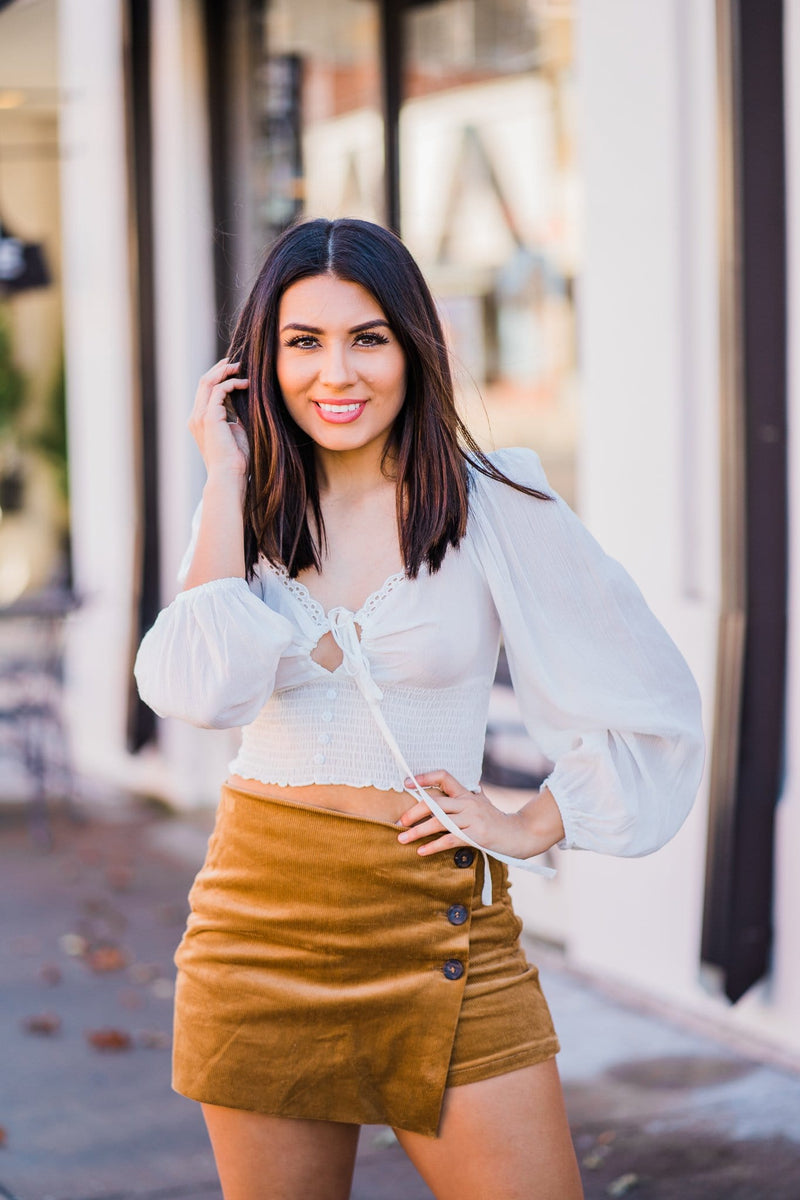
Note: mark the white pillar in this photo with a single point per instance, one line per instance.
(97, 328)
(188, 765)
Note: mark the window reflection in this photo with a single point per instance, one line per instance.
(488, 192)
(488, 203)
(322, 127)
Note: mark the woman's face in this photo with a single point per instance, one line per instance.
(340, 367)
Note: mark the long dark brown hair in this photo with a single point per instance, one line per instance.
(429, 443)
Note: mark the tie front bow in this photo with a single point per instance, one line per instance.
(345, 634)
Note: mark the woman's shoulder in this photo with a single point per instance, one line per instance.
(518, 464)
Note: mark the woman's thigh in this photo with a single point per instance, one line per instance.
(260, 1157)
(505, 1137)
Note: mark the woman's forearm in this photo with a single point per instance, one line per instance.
(219, 553)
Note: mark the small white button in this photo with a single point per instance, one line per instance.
(324, 738)
(327, 716)
(331, 694)
(319, 758)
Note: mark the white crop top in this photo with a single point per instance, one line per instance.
(603, 690)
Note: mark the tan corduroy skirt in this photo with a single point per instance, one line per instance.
(329, 972)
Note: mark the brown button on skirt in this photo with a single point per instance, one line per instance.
(328, 972)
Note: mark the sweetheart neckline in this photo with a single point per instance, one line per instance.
(314, 608)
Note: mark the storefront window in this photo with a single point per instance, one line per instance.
(319, 113)
(34, 518)
(488, 204)
(487, 181)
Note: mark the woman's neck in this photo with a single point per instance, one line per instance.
(352, 472)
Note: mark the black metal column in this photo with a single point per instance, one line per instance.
(141, 720)
(216, 18)
(392, 61)
(737, 924)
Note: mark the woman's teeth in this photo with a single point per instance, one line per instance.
(339, 408)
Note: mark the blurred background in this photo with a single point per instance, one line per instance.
(605, 198)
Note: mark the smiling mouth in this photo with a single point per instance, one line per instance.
(340, 412)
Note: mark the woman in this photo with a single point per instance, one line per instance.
(352, 955)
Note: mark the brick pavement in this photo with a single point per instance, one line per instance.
(87, 933)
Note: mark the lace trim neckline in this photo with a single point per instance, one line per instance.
(315, 610)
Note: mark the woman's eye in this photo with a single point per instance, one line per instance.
(309, 341)
(371, 339)
(304, 341)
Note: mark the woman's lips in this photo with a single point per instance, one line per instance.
(340, 413)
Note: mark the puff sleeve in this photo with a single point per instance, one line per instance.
(604, 691)
(212, 654)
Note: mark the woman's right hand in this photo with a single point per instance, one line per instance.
(221, 440)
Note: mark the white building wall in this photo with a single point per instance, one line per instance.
(188, 764)
(649, 463)
(97, 334)
(647, 470)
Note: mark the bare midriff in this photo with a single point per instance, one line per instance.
(371, 802)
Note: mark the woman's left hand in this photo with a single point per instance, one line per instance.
(535, 828)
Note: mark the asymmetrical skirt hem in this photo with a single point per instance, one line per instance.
(329, 972)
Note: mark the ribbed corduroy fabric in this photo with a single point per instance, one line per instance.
(329, 972)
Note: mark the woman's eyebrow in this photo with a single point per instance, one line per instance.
(356, 328)
(369, 325)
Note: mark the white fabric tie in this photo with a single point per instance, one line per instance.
(343, 630)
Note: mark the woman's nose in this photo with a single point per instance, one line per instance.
(337, 369)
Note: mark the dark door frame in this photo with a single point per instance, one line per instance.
(747, 757)
(141, 722)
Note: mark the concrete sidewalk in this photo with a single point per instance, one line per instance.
(87, 934)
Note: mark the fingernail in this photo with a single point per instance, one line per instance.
(408, 783)
(402, 837)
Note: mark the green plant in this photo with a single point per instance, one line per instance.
(50, 439)
(12, 380)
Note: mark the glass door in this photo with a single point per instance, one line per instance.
(318, 113)
(489, 206)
